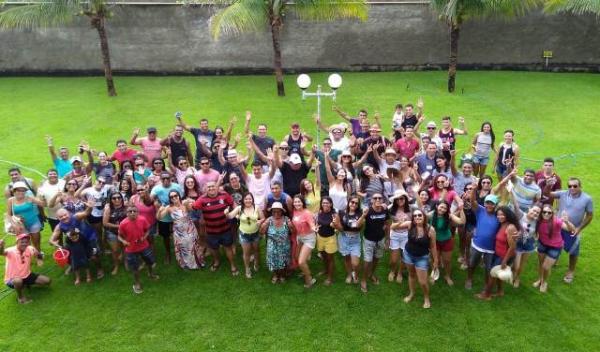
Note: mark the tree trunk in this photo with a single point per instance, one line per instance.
(277, 63)
(98, 23)
(454, 33)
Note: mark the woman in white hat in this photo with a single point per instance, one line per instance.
(277, 228)
(24, 206)
(399, 212)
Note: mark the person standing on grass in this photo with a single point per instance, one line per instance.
(350, 223)
(17, 272)
(306, 239)
(355, 122)
(326, 240)
(548, 181)
(75, 222)
(525, 242)
(375, 236)
(448, 134)
(48, 190)
(218, 227)
(507, 158)
(579, 209)
(151, 145)
(114, 213)
(399, 212)
(550, 243)
(178, 146)
(260, 139)
(420, 245)
(442, 220)
(146, 208)
(504, 250)
(484, 237)
(133, 234)
(160, 195)
(277, 228)
(22, 210)
(98, 194)
(61, 162)
(249, 215)
(483, 143)
(188, 252)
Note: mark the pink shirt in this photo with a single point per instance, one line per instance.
(203, 178)
(147, 211)
(556, 240)
(304, 222)
(435, 195)
(18, 265)
(151, 149)
(406, 147)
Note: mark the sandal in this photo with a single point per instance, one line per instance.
(391, 276)
(137, 290)
(375, 279)
(568, 278)
(274, 280)
(363, 287)
(100, 274)
(313, 281)
(248, 274)
(235, 272)
(214, 267)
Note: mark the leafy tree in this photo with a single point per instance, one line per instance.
(578, 7)
(51, 13)
(456, 12)
(241, 16)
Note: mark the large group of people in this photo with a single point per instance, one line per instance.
(409, 193)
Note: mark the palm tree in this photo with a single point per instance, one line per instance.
(578, 7)
(51, 13)
(242, 16)
(455, 12)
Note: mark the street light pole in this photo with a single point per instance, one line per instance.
(334, 81)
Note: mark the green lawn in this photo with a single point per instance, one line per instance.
(552, 114)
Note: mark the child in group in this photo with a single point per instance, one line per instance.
(78, 255)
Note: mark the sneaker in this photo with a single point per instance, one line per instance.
(536, 284)
(544, 287)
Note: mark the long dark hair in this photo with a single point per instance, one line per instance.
(413, 228)
(510, 216)
(395, 205)
(491, 130)
(327, 198)
(158, 159)
(445, 217)
(485, 177)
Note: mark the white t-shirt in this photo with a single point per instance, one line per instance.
(47, 192)
(343, 144)
(259, 188)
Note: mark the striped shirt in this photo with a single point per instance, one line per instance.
(525, 194)
(213, 212)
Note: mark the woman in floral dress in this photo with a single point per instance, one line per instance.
(277, 228)
(185, 237)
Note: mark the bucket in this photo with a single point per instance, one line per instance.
(61, 257)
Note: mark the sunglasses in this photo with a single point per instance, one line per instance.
(417, 215)
(284, 148)
(71, 184)
(139, 164)
(140, 190)
(174, 196)
(573, 186)
(158, 163)
(101, 182)
(353, 202)
(204, 163)
(119, 198)
(485, 182)
(377, 198)
(547, 212)
(132, 211)
(431, 128)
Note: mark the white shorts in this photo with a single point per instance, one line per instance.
(398, 240)
(309, 240)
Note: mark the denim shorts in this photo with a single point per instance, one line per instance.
(497, 260)
(309, 240)
(111, 237)
(551, 252)
(349, 244)
(34, 228)
(398, 240)
(476, 256)
(223, 239)
(248, 238)
(195, 215)
(572, 243)
(147, 256)
(420, 263)
(526, 246)
(372, 249)
(481, 160)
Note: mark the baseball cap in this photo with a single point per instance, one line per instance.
(151, 129)
(75, 158)
(21, 236)
(431, 124)
(19, 184)
(295, 159)
(491, 198)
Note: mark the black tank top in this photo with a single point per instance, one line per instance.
(295, 146)
(505, 153)
(178, 149)
(418, 246)
(448, 138)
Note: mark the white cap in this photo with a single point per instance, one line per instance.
(295, 159)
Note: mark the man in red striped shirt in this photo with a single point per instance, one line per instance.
(218, 228)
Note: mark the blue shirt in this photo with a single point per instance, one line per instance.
(484, 238)
(63, 167)
(162, 194)
(576, 207)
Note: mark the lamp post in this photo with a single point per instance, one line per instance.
(334, 81)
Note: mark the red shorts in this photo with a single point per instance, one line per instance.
(445, 246)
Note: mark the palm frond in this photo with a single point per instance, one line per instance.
(578, 7)
(330, 10)
(46, 14)
(457, 11)
(239, 17)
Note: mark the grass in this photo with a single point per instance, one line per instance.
(552, 114)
